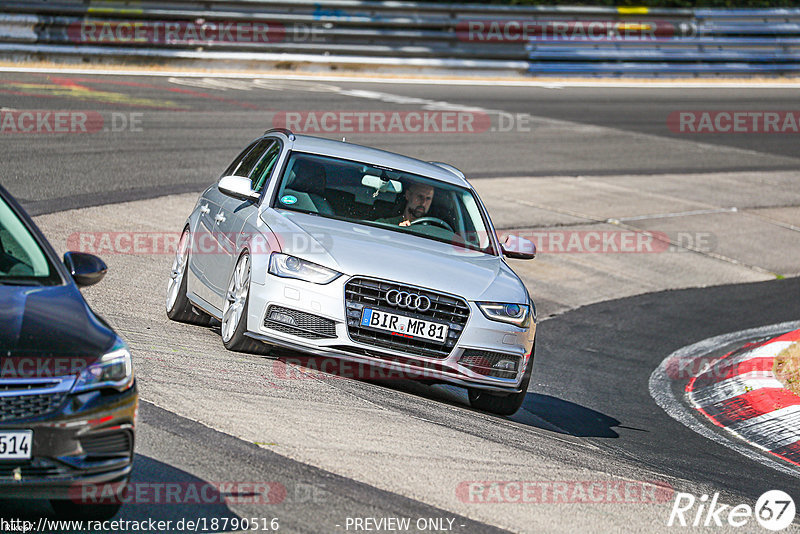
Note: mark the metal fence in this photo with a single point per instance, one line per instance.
(717, 42)
(540, 40)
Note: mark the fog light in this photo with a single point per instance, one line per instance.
(506, 365)
(284, 318)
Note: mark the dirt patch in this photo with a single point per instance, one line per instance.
(787, 367)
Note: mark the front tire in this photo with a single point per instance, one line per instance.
(506, 405)
(178, 306)
(235, 309)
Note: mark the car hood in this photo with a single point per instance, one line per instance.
(50, 321)
(356, 249)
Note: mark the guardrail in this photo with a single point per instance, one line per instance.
(540, 40)
(739, 41)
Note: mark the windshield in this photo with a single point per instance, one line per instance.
(22, 260)
(383, 197)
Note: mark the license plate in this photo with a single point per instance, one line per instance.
(16, 444)
(404, 326)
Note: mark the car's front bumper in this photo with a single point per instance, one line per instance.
(328, 301)
(88, 440)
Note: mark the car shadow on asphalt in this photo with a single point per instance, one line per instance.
(565, 417)
(538, 410)
(157, 492)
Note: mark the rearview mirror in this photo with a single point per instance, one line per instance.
(85, 269)
(518, 248)
(237, 187)
(380, 185)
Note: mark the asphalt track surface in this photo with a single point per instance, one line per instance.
(190, 129)
(588, 405)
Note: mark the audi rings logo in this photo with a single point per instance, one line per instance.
(409, 301)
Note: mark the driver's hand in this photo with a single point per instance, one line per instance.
(405, 223)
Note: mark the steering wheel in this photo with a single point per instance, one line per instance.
(432, 220)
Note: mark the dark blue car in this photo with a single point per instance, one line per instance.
(68, 396)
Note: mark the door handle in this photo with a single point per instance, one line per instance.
(204, 209)
(220, 218)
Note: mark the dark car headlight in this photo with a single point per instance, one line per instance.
(287, 266)
(113, 370)
(516, 314)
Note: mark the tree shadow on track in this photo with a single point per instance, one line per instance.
(565, 417)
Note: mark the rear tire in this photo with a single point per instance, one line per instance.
(178, 306)
(235, 309)
(502, 405)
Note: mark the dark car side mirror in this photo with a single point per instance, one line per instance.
(86, 269)
(518, 248)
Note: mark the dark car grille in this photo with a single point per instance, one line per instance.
(26, 406)
(364, 292)
(108, 444)
(37, 468)
(306, 325)
(27, 386)
(483, 362)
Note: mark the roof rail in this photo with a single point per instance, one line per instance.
(449, 168)
(285, 131)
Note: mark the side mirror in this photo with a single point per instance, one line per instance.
(518, 248)
(85, 269)
(237, 187)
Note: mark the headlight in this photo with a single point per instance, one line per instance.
(287, 266)
(516, 314)
(113, 370)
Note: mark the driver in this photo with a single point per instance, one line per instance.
(418, 201)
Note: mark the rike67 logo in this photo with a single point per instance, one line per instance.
(774, 510)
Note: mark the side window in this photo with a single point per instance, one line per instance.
(238, 161)
(245, 161)
(260, 175)
(253, 157)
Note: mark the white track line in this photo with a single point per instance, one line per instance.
(733, 387)
(771, 430)
(768, 350)
(547, 84)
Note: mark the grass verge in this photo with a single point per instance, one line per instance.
(787, 367)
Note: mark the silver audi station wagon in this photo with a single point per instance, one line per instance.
(343, 251)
